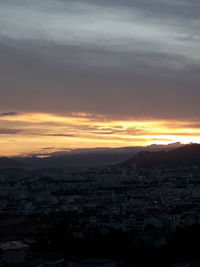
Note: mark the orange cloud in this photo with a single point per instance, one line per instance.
(22, 133)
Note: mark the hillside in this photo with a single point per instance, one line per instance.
(9, 163)
(89, 157)
(183, 156)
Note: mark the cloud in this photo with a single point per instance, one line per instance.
(47, 148)
(29, 133)
(112, 27)
(58, 135)
(123, 58)
(9, 131)
(8, 114)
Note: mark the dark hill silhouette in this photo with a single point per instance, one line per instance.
(88, 157)
(184, 156)
(9, 163)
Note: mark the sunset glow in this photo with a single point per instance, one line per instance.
(32, 133)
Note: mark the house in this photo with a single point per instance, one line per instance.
(14, 252)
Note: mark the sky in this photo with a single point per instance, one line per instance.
(88, 73)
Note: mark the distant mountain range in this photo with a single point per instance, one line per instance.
(9, 163)
(186, 155)
(81, 157)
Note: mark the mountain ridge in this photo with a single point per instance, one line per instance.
(184, 155)
(96, 157)
(9, 163)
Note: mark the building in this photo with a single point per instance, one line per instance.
(93, 263)
(14, 252)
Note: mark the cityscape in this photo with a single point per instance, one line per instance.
(99, 133)
(141, 202)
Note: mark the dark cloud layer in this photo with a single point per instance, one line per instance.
(8, 114)
(136, 58)
(9, 131)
